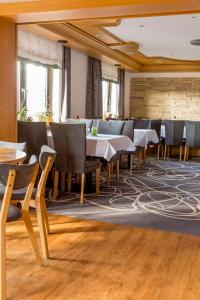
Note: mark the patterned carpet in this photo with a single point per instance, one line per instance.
(165, 196)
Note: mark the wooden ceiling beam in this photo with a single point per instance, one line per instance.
(73, 34)
(59, 10)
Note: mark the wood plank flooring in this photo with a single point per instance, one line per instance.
(100, 261)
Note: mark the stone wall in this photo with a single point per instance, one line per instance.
(165, 98)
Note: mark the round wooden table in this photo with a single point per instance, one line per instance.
(11, 156)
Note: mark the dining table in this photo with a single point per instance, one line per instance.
(142, 137)
(106, 146)
(12, 156)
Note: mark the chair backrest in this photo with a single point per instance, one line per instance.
(23, 172)
(45, 153)
(128, 129)
(34, 134)
(60, 145)
(76, 148)
(17, 146)
(87, 122)
(192, 134)
(156, 125)
(141, 123)
(110, 127)
(174, 132)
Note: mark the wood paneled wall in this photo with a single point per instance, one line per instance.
(8, 37)
(165, 98)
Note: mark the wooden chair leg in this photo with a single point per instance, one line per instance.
(55, 187)
(117, 170)
(63, 181)
(168, 149)
(165, 152)
(158, 156)
(108, 173)
(31, 233)
(139, 161)
(42, 227)
(46, 216)
(3, 282)
(97, 180)
(69, 182)
(82, 188)
(187, 153)
(144, 155)
(180, 153)
(131, 163)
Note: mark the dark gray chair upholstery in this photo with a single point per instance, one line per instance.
(76, 150)
(174, 136)
(34, 134)
(192, 134)
(17, 146)
(128, 129)
(156, 125)
(23, 177)
(60, 145)
(141, 123)
(174, 132)
(110, 127)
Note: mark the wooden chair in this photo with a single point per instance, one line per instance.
(14, 177)
(174, 136)
(70, 145)
(34, 134)
(113, 128)
(156, 125)
(128, 130)
(17, 146)
(46, 160)
(192, 137)
(76, 156)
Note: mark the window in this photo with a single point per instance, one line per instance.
(38, 87)
(110, 97)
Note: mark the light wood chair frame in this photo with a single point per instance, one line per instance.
(27, 220)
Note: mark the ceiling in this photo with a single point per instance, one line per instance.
(109, 29)
(163, 36)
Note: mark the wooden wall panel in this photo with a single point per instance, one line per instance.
(7, 80)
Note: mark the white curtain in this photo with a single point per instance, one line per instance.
(109, 72)
(39, 49)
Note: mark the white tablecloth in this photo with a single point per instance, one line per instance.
(106, 146)
(143, 136)
(162, 132)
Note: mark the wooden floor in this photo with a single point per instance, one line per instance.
(92, 260)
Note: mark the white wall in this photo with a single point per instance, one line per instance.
(78, 83)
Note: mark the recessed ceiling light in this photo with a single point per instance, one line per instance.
(195, 42)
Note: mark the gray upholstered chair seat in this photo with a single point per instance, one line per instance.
(92, 165)
(18, 194)
(14, 213)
